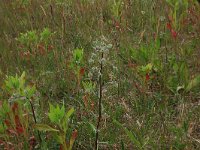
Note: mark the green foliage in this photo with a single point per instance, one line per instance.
(28, 38)
(176, 3)
(141, 56)
(33, 41)
(25, 2)
(146, 69)
(88, 86)
(45, 35)
(14, 116)
(63, 2)
(77, 57)
(178, 11)
(193, 83)
(16, 85)
(45, 127)
(4, 109)
(146, 53)
(59, 118)
(133, 137)
(180, 134)
(117, 6)
(56, 114)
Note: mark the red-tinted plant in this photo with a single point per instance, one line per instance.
(14, 107)
(74, 134)
(7, 122)
(32, 142)
(82, 71)
(169, 26)
(18, 124)
(172, 31)
(147, 77)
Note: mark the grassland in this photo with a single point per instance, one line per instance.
(100, 74)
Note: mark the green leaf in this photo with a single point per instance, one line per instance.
(58, 138)
(131, 136)
(70, 112)
(15, 83)
(4, 109)
(56, 113)
(92, 127)
(66, 118)
(193, 83)
(146, 69)
(45, 127)
(2, 129)
(30, 91)
(51, 113)
(122, 145)
(77, 56)
(45, 35)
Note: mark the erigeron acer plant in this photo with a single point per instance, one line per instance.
(98, 60)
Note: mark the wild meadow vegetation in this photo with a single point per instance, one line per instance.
(99, 74)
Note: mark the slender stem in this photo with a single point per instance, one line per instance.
(34, 117)
(100, 104)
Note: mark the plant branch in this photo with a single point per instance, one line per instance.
(34, 117)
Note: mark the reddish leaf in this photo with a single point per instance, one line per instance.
(17, 120)
(41, 49)
(50, 47)
(82, 71)
(147, 77)
(61, 148)
(19, 129)
(92, 105)
(117, 25)
(32, 141)
(85, 100)
(1, 142)
(174, 34)
(169, 26)
(7, 122)
(14, 107)
(74, 134)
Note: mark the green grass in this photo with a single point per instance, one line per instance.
(140, 58)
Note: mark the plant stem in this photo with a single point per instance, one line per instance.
(34, 117)
(100, 103)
